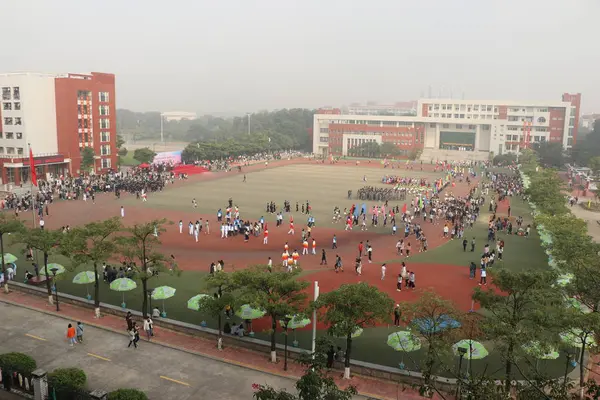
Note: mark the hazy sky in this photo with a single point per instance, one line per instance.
(246, 55)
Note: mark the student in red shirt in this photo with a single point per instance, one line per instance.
(360, 249)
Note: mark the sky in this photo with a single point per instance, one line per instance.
(247, 55)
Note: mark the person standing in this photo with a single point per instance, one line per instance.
(360, 249)
(334, 243)
(122, 212)
(180, 226)
(71, 335)
(483, 277)
(314, 246)
(397, 315)
(399, 283)
(369, 252)
(464, 244)
(266, 236)
(129, 320)
(134, 335)
(323, 257)
(148, 327)
(383, 268)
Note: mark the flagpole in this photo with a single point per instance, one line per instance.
(31, 172)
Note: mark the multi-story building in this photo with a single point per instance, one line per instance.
(480, 127)
(58, 116)
(408, 108)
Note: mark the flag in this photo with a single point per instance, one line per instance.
(32, 168)
(404, 209)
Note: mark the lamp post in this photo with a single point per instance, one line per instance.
(149, 293)
(461, 353)
(54, 270)
(286, 321)
(569, 353)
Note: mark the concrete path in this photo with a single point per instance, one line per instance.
(161, 372)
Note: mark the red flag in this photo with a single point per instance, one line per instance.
(404, 209)
(32, 168)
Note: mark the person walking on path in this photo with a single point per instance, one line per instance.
(129, 320)
(148, 326)
(79, 331)
(122, 212)
(397, 314)
(134, 336)
(71, 335)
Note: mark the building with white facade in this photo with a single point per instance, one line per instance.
(179, 115)
(476, 127)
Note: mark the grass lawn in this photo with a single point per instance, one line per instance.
(325, 187)
(128, 159)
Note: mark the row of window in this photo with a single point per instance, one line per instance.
(11, 121)
(8, 106)
(86, 137)
(8, 94)
(11, 135)
(481, 108)
(18, 151)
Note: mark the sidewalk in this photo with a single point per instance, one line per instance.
(369, 387)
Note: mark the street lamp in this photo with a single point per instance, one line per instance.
(461, 353)
(54, 271)
(286, 321)
(149, 292)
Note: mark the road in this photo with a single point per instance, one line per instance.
(161, 372)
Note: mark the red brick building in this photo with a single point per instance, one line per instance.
(58, 116)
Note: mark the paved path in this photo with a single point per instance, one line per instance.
(161, 372)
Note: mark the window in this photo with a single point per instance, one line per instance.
(322, 130)
(6, 93)
(106, 138)
(105, 150)
(8, 121)
(19, 135)
(459, 126)
(541, 120)
(432, 125)
(80, 123)
(19, 151)
(18, 121)
(10, 135)
(455, 115)
(104, 110)
(106, 163)
(103, 97)
(445, 126)
(541, 129)
(542, 110)
(105, 124)
(17, 106)
(513, 128)
(443, 106)
(16, 93)
(1, 134)
(472, 127)
(10, 150)
(476, 108)
(7, 106)
(462, 115)
(84, 95)
(1, 150)
(86, 110)
(571, 132)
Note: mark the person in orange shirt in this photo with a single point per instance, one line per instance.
(291, 231)
(71, 335)
(266, 237)
(290, 264)
(304, 247)
(295, 256)
(286, 247)
(284, 258)
(314, 246)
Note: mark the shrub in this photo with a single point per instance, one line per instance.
(17, 362)
(127, 394)
(67, 378)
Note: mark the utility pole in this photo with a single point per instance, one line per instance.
(248, 114)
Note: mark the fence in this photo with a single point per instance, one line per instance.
(67, 394)
(17, 382)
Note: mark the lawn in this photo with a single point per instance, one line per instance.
(325, 187)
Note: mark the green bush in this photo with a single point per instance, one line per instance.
(67, 378)
(127, 394)
(17, 362)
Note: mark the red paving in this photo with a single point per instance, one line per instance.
(449, 281)
(370, 387)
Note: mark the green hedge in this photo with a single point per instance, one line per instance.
(67, 378)
(127, 394)
(17, 362)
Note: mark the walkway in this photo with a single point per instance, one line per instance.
(183, 374)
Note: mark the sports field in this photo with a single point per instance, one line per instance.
(444, 268)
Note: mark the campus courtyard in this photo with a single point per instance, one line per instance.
(443, 269)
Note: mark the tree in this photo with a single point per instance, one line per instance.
(92, 243)
(594, 165)
(120, 141)
(570, 239)
(367, 149)
(588, 147)
(277, 292)
(415, 154)
(315, 384)
(438, 337)
(221, 286)
(144, 155)
(350, 307)
(139, 247)
(9, 224)
(505, 159)
(123, 152)
(47, 242)
(87, 158)
(545, 191)
(524, 311)
(550, 153)
(388, 149)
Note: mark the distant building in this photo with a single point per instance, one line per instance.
(179, 115)
(587, 121)
(475, 128)
(59, 115)
(407, 108)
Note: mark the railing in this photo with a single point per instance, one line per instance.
(16, 382)
(67, 394)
